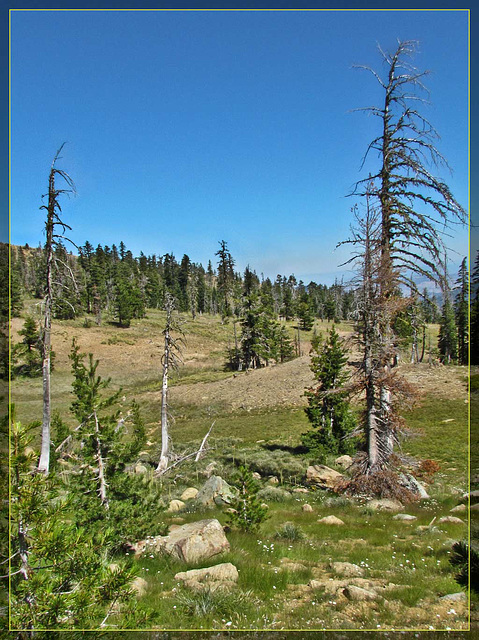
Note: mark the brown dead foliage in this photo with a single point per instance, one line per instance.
(381, 484)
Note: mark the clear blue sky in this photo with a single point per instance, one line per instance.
(184, 128)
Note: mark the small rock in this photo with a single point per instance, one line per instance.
(209, 469)
(175, 505)
(292, 566)
(315, 584)
(385, 504)
(450, 520)
(307, 507)
(139, 586)
(273, 480)
(347, 569)
(300, 490)
(230, 510)
(405, 517)
(344, 461)
(263, 505)
(455, 597)
(189, 494)
(475, 507)
(256, 475)
(113, 567)
(359, 594)
(412, 484)
(330, 520)
(141, 469)
(426, 527)
(459, 509)
(301, 588)
(221, 576)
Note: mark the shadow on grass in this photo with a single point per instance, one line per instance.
(294, 450)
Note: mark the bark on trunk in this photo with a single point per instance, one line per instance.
(238, 359)
(101, 466)
(163, 463)
(44, 462)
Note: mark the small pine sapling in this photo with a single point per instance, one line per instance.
(248, 513)
(328, 409)
(58, 578)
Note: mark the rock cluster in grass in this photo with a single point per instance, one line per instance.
(219, 577)
(347, 569)
(286, 564)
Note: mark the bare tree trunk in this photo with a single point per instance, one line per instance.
(101, 466)
(371, 429)
(203, 442)
(44, 462)
(238, 359)
(163, 463)
(414, 350)
(53, 220)
(423, 349)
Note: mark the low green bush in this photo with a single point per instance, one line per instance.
(274, 494)
(291, 532)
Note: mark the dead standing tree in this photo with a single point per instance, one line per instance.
(170, 361)
(53, 223)
(371, 375)
(415, 207)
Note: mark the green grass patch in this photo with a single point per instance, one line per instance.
(440, 432)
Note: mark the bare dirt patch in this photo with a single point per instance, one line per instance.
(283, 385)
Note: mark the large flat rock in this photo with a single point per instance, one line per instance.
(322, 476)
(190, 543)
(221, 576)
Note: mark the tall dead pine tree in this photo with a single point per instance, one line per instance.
(414, 205)
(53, 224)
(170, 360)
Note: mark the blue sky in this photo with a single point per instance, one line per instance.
(187, 127)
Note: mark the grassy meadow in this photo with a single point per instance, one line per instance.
(287, 577)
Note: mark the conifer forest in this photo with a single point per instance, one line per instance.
(205, 447)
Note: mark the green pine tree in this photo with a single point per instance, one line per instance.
(461, 311)
(100, 448)
(475, 312)
(328, 410)
(27, 354)
(305, 315)
(447, 340)
(248, 513)
(61, 575)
